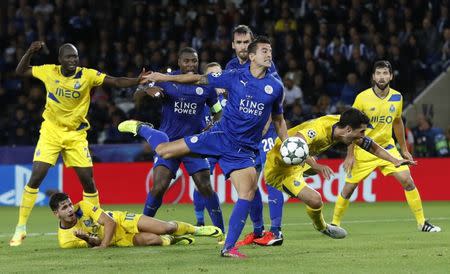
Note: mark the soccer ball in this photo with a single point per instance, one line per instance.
(294, 151)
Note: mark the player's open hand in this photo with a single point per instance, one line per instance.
(155, 77)
(326, 171)
(155, 92)
(36, 46)
(406, 155)
(142, 79)
(402, 162)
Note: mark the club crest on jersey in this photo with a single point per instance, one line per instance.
(199, 91)
(87, 222)
(216, 74)
(392, 108)
(311, 133)
(268, 89)
(77, 85)
(194, 139)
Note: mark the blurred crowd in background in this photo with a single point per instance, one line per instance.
(323, 51)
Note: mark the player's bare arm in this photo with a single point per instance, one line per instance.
(90, 239)
(196, 79)
(110, 226)
(280, 126)
(349, 158)
(125, 82)
(399, 131)
(374, 148)
(325, 170)
(24, 68)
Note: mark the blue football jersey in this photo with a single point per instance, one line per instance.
(183, 110)
(250, 103)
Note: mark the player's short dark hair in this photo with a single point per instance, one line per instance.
(354, 118)
(242, 29)
(57, 198)
(382, 64)
(253, 46)
(187, 50)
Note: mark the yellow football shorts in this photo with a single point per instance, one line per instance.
(283, 177)
(127, 227)
(72, 144)
(366, 162)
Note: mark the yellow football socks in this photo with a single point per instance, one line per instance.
(415, 204)
(26, 205)
(183, 228)
(339, 209)
(166, 240)
(91, 198)
(316, 217)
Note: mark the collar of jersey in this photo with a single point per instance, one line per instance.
(376, 95)
(247, 72)
(77, 69)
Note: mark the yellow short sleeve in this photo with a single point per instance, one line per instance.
(90, 210)
(95, 77)
(357, 104)
(41, 71)
(400, 108)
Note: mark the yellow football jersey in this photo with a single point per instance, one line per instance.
(68, 98)
(381, 112)
(87, 216)
(318, 135)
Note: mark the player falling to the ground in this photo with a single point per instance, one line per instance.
(320, 134)
(64, 127)
(253, 96)
(87, 225)
(383, 106)
(241, 37)
(183, 112)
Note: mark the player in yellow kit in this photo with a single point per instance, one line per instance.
(87, 225)
(64, 128)
(383, 105)
(320, 134)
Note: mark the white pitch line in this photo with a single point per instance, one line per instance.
(2, 235)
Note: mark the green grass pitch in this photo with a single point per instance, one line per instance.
(382, 239)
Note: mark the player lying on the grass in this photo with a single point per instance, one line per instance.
(320, 134)
(87, 225)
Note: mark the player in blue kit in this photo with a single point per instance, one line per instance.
(183, 114)
(253, 97)
(242, 36)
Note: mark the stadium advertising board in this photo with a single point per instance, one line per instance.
(126, 183)
(14, 177)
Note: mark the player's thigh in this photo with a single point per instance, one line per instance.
(152, 225)
(76, 150)
(310, 197)
(401, 173)
(146, 239)
(405, 179)
(173, 149)
(245, 182)
(48, 147)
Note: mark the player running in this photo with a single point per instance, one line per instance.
(183, 113)
(64, 128)
(320, 134)
(383, 106)
(87, 225)
(253, 96)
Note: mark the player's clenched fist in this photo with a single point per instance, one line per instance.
(35, 46)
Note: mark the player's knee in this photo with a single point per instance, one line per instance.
(205, 189)
(315, 201)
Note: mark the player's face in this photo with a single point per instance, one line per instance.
(382, 77)
(352, 135)
(263, 55)
(188, 63)
(240, 44)
(69, 59)
(65, 211)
